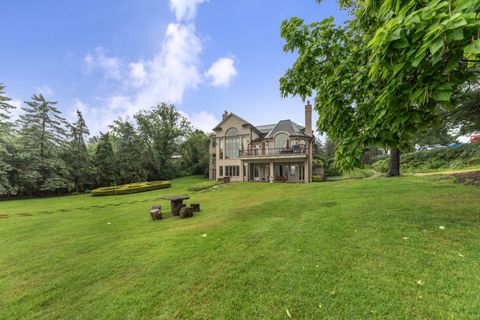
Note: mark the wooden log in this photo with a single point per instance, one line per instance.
(186, 212)
(156, 214)
(195, 207)
(156, 207)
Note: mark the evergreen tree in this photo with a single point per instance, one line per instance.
(130, 153)
(5, 137)
(42, 140)
(77, 156)
(105, 162)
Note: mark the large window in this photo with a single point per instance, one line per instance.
(232, 144)
(232, 171)
(281, 142)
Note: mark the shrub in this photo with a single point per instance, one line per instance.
(131, 188)
(317, 179)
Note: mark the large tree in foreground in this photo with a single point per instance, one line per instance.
(379, 78)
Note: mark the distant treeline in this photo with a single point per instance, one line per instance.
(42, 154)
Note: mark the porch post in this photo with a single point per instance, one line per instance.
(271, 178)
(241, 171)
(307, 171)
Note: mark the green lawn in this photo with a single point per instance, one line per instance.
(353, 249)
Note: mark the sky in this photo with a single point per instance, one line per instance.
(110, 59)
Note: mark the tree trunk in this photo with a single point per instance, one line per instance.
(394, 165)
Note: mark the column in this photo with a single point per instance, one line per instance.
(307, 171)
(271, 172)
(241, 170)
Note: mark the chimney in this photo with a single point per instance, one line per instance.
(225, 114)
(308, 119)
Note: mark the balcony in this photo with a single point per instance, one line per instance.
(297, 151)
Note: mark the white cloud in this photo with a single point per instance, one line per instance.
(173, 70)
(45, 90)
(185, 9)
(137, 73)
(99, 59)
(203, 120)
(222, 72)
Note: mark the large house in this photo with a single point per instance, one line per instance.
(274, 152)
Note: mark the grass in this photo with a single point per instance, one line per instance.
(352, 249)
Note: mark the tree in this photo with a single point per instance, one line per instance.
(77, 156)
(130, 152)
(162, 129)
(42, 139)
(5, 137)
(466, 114)
(379, 79)
(105, 162)
(195, 154)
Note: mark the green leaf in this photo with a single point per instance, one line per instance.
(473, 48)
(441, 95)
(436, 45)
(400, 43)
(455, 35)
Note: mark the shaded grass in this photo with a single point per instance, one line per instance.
(347, 249)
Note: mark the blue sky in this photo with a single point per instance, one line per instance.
(113, 58)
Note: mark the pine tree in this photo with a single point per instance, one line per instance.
(105, 162)
(77, 156)
(5, 137)
(130, 153)
(42, 139)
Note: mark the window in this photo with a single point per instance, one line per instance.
(221, 171)
(232, 171)
(232, 144)
(220, 146)
(281, 141)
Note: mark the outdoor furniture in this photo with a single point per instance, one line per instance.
(186, 212)
(155, 213)
(176, 203)
(195, 207)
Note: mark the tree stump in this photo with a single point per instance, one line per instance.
(196, 207)
(186, 212)
(156, 207)
(156, 214)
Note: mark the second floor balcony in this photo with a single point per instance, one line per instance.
(293, 151)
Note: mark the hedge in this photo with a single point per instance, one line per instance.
(131, 188)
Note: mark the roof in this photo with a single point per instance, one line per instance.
(268, 131)
(287, 126)
(231, 114)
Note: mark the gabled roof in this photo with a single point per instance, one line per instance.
(231, 114)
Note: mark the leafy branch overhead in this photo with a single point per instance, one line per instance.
(379, 78)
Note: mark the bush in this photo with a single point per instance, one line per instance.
(204, 185)
(131, 188)
(428, 160)
(317, 179)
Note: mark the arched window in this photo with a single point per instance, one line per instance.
(281, 141)
(232, 143)
(232, 132)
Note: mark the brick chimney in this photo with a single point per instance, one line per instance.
(308, 119)
(225, 114)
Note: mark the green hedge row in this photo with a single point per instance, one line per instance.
(131, 188)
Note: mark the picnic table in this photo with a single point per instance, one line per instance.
(176, 203)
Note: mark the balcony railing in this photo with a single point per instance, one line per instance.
(292, 151)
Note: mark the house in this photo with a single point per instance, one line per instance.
(276, 152)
